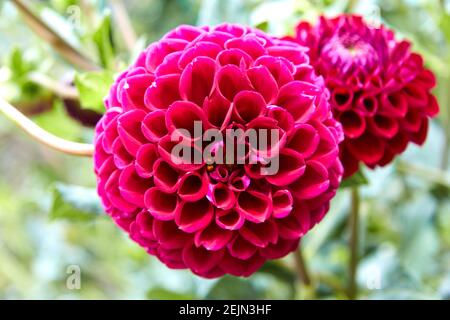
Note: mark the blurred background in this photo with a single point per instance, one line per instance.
(52, 227)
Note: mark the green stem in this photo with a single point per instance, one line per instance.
(59, 44)
(42, 136)
(124, 23)
(354, 243)
(301, 268)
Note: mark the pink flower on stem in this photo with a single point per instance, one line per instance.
(380, 89)
(214, 218)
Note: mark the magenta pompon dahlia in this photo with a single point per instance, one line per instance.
(380, 90)
(217, 219)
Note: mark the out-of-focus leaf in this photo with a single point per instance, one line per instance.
(75, 203)
(278, 270)
(59, 123)
(165, 294)
(419, 240)
(234, 288)
(444, 289)
(358, 179)
(103, 40)
(264, 26)
(92, 88)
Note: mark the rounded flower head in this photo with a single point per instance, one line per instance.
(380, 90)
(210, 216)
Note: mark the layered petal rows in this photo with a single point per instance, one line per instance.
(380, 89)
(217, 219)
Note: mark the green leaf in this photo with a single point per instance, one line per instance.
(358, 179)
(279, 271)
(165, 294)
(263, 26)
(234, 288)
(75, 203)
(103, 40)
(93, 87)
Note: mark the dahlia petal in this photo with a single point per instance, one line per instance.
(254, 206)
(260, 234)
(327, 150)
(399, 143)
(166, 177)
(367, 148)
(238, 181)
(420, 136)
(394, 104)
(297, 55)
(132, 95)
(217, 37)
(280, 249)
(283, 202)
(432, 106)
(242, 268)
(132, 187)
(235, 57)
(162, 92)
(353, 123)
(129, 128)
(291, 167)
(304, 140)
(161, 205)
(342, 99)
(221, 196)
(114, 195)
(158, 51)
(263, 82)
(213, 238)
(196, 81)
(295, 225)
(248, 105)
(201, 260)
(145, 222)
(171, 257)
(183, 162)
(280, 68)
(153, 126)
(293, 98)
(412, 120)
(169, 65)
(183, 115)
(249, 43)
(193, 186)
(109, 135)
(218, 110)
(122, 158)
(367, 104)
(168, 234)
(386, 127)
(199, 49)
(284, 119)
(312, 183)
(185, 32)
(233, 29)
(241, 248)
(230, 80)
(194, 216)
(229, 219)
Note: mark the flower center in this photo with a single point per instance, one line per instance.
(349, 52)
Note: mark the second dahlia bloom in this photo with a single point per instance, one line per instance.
(380, 90)
(214, 218)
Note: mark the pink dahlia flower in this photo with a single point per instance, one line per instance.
(380, 90)
(217, 219)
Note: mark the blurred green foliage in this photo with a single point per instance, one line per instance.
(50, 217)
